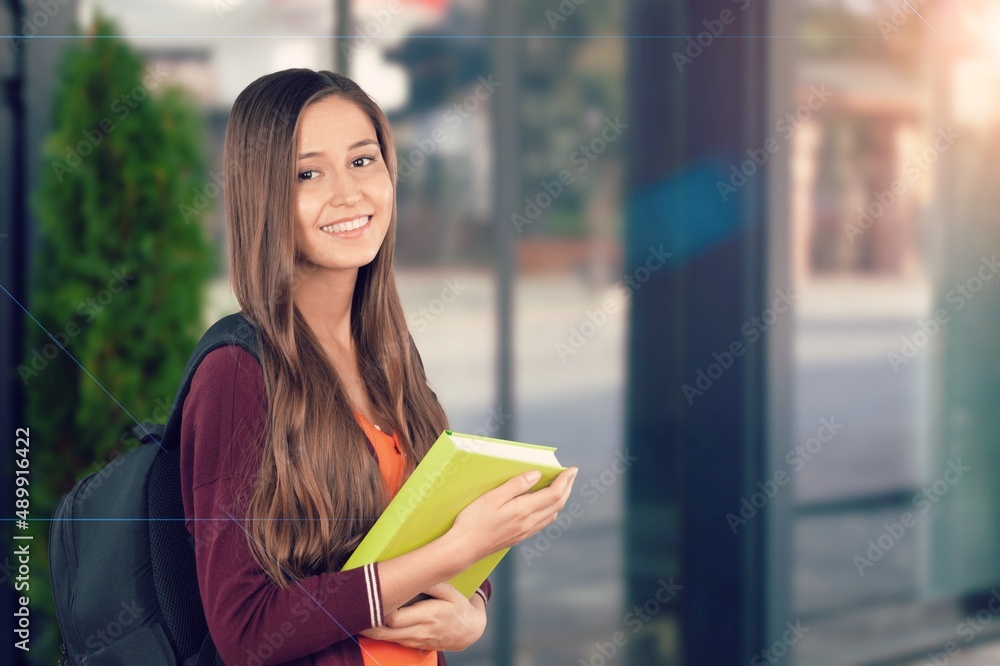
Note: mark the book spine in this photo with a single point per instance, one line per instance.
(432, 473)
(437, 467)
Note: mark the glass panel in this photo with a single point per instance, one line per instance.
(892, 243)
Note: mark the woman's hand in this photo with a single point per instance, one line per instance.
(495, 520)
(449, 621)
(509, 514)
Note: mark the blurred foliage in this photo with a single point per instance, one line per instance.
(569, 86)
(118, 275)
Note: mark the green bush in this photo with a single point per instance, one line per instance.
(118, 274)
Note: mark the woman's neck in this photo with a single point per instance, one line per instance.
(324, 297)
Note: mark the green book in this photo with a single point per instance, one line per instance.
(457, 469)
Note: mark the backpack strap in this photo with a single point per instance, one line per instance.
(173, 564)
(207, 655)
(234, 329)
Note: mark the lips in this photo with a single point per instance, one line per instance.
(349, 225)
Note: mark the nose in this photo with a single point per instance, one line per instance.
(344, 190)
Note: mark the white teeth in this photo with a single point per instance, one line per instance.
(346, 226)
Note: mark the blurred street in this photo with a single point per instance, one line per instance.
(844, 329)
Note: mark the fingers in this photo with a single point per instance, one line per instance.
(520, 485)
(444, 591)
(513, 487)
(545, 512)
(565, 479)
(505, 515)
(424, 611)
(429, 624)
(407, 617)
(570, 478)
(554, 496)
(378, 633)
(449, 622)
(561, 485)
(401, 635)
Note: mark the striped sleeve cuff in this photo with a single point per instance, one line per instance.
(482, 594)
(374, 595)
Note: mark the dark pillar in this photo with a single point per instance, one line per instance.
(13, 242)
(694, 111)
(342, 26)
(505, 116)
(28, 73)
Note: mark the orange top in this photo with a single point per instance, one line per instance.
(392, 463)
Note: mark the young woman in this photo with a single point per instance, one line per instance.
(286, 464)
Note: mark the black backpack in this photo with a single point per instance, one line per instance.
(126, 591)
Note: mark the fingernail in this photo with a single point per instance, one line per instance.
(534, 475)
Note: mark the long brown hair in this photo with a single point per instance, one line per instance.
(318, 489)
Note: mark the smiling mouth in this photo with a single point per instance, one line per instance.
(350, 225)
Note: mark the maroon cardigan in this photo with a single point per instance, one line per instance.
(253, 621)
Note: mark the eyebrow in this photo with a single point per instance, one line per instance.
(356, 144)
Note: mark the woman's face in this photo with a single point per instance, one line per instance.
(343, 192)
